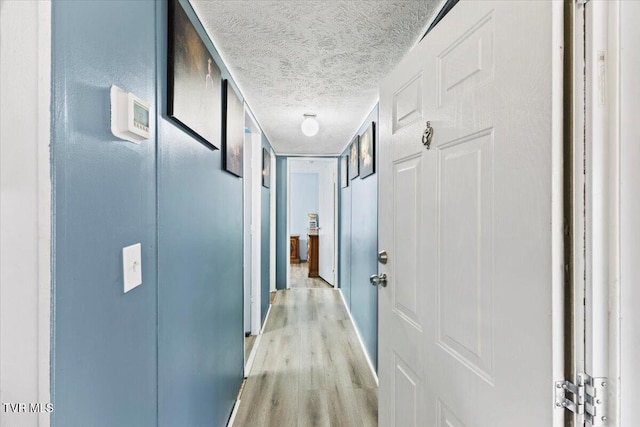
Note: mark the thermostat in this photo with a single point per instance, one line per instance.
(130, 119)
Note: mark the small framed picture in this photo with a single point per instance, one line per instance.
(233, 124)
(344, 171)
(353, 159)
(266, 168)
(367, 151)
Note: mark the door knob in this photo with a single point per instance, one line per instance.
(427, 136)
(383, 257)
(380, 280)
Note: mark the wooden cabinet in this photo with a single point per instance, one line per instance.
(312, 256)
(294, 249)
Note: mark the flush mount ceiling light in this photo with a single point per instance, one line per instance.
(310, 125)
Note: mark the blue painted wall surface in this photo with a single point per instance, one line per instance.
(265, 250)
(304, 200)
(200, 341)
(104, 341)
(282, 244)
(359, 236)
(169, 352)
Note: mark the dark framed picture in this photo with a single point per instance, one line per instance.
(353, 159)
(194, 81)
(233, 124)
(367, 151)
(266, 168)
(344, 171)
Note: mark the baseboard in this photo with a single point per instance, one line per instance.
(355, 326)
(234, 412)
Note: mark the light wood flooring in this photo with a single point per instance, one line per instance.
(299, 278)
(310, 369)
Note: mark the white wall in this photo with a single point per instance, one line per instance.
(304, 199)
(25, 207)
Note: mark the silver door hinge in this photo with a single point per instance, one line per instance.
(589, 398)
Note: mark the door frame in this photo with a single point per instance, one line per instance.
(255, 185)
(333, 162)
(26, 327)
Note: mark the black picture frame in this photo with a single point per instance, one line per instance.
(266, 168)
(354, 166)
(233, 130)
(194, 80)
(367, 150)
(344, 171)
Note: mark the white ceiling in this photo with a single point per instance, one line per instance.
(291, 57)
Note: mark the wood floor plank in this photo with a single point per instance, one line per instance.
(368, 404)
(314, 409)
(310, 369)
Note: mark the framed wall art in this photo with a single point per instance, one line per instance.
(367, 151)
(344, 171)
(266, 168)
(353, 159)
(194, 81)
(233, 130)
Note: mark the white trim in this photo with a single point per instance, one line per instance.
(288, 241)
(557, 197)
(598, 193)
(256, 244)
(252, 356)
(44, 207)
(25, 368)
(272, 222)
(614, 72)
(266, 318)
(364, 349)
(232, 418)
(255, 185)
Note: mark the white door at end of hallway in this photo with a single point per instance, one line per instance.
(326, 218)
(468, 333)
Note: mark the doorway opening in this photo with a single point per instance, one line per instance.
(252, 184)
(312, 222)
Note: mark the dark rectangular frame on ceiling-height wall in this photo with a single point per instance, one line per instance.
(367, 151)
(194, 80)
(232, 131)
(266, 168)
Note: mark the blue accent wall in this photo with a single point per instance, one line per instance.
(359, 248)
(304, 200)
(169, 352)
(282, 245)
(104, 342)
(200, 289)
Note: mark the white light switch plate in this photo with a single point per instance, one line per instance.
(132, 266)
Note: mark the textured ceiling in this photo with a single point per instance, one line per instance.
(291, 57)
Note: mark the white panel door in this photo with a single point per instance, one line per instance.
(468, 331)
(326, 219)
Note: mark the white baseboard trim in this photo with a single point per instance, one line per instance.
(355, 326)
(266, 319)
(232, 418)
(254, 350)
(252, 357)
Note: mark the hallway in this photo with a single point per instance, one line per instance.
(309, 369)
(299, 278)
